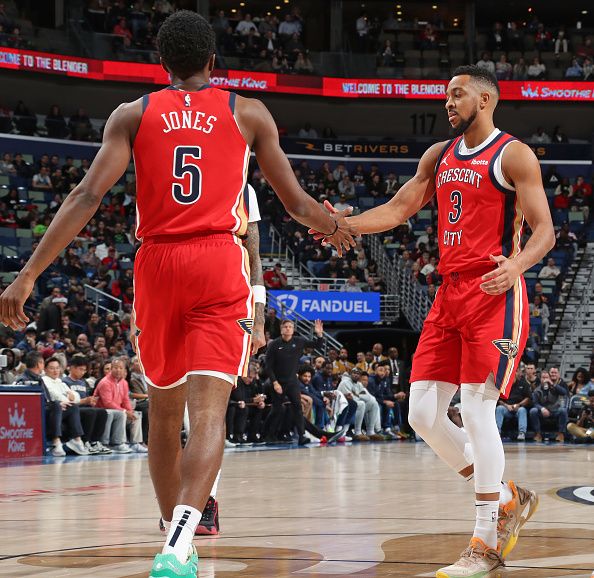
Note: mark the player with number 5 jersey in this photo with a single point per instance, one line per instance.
(193, 301)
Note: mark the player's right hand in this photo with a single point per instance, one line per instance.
(12, 301)
(343, 238)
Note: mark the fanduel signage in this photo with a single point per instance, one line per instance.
(329, 305)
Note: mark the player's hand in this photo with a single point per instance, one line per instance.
(258, 339)
(133, 329)
(501, 279)
(343, 238)
(12, 301)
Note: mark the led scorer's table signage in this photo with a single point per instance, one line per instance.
(73, 66)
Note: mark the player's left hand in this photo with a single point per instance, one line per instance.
(12, 301)
(501, 279)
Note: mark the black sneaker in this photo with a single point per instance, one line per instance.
(209, 523)
(303, 441)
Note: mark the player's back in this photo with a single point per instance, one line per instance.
(479, 213)
(191, 164)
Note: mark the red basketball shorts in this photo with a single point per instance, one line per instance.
(194, 307)
(468, 334)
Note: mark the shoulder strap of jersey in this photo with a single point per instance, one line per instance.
(445, 149)
(504, 141)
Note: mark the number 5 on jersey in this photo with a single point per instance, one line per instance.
(456, 212)
(180, 169)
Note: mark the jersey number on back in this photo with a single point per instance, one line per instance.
(456, 212)
(180, 169)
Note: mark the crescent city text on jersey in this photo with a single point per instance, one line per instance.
(462, 175)
(193, 119)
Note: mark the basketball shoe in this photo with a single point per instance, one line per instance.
(168, 566)
(513, 515)
(209, 522)
(477, 561)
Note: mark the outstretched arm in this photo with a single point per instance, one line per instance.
(261, 133)
(410, 199)
(520, 167)
(76, 211)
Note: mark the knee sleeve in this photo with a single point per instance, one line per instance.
(428, 416)
(478, 414)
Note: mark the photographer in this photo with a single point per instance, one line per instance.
(584, 428)
(549, 401)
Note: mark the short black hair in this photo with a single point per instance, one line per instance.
(186, 41)
(32, 359)
(305, 369)
(79, 361)
(481, 74)
(51, 360)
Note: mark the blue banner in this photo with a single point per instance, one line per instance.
(329, 305)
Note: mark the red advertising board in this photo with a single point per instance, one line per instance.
(21, 426)
(542, 90)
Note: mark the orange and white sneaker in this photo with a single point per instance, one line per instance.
(513, 515)
(477, 561)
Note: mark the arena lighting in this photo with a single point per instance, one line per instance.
(233, 10)
(399, 20)
(434, 6)
(399, 13)
(584, 12)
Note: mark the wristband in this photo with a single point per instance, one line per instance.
(333, 232)
(259, 294)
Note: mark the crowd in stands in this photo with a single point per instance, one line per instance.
(10, 32)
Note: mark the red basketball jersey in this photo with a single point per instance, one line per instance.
(191, 164)
(478, 211)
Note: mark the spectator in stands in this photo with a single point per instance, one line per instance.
(275, 278)
(531, 376)
(113, 393)
(578, 382)
(42, 180)
(367, 407)
(584, 428)
(560, 43)
(429, 39)
(486, 62)
(574, 71)
(563, 194)
(288, 27)
(93, 419)
(550, 270)
(342, 364)
(387, 57)
(316, 399)
(55, 123)
(516, 406)
(378, 353)
(307, 131)
(346, 187)
(68, 400)
(583, 51)
(364, 362)
(80, 129)
(272, 324)
(220, 23)
(362, 28)
(139, 393)
(588, 68)
(122, 29)
(515, 37)
(245, 26)
(8, 374)
(503, 69)
(380, 386)
(542, 38)
(537, 70)
(50, 315)
(555, 375)
(6, 165)
(549, 401)
(558, 137)
(540, 136)
(303, 64)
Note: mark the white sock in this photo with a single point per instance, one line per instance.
(215, 486)
(166, 524)
(181, 533)
(486, 522)
(505, 494)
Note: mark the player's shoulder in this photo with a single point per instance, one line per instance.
(249, 106)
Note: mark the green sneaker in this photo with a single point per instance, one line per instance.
(168, 566)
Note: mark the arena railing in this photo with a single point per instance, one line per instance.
(573, 336)
(303, 327)
(103, 301)
(280, 251)
(413, 301)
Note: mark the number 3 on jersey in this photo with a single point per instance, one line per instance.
(456, 212)
(180, 169)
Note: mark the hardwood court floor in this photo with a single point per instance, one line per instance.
(374, 510)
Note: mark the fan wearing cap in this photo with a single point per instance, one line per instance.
(50, 315)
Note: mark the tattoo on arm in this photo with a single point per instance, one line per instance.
(256, 274)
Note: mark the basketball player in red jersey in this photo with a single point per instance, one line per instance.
(193, 300)
(486, 182)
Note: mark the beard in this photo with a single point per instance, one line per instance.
(464, 124)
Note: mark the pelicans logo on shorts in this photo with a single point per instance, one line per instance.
(246, 325)
(507, 347)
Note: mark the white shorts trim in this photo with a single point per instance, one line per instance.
(228, 377)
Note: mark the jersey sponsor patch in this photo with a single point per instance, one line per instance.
(507, 347)
(246, 325)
